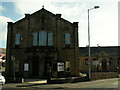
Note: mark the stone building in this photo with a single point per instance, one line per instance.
(42, 42)
(2, 51)
(2, 55)
(103, 59)
(2, 59)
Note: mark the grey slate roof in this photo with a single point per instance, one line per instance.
(110, 50)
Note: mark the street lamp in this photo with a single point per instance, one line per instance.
(95, 7)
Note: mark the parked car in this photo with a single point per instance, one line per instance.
(2, 79)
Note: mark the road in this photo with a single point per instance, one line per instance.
(112, 83)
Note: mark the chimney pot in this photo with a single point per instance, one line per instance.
(58, 16)
(27, 16)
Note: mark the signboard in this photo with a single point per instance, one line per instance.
(26, 67)
(95, 62)
(60, 66)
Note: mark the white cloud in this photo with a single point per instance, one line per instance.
(67, 9)
(103, 25)
(2, 8)
(60, 0)
(103, 22)
(29, 7)
(3, 28)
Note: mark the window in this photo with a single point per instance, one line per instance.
(50, 39)
(17, 39)
(110, 61)
(118, 61)
(86, 61)
(67, 39)
(42, 38)
(35, 41)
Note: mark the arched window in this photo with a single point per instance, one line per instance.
(67, 39)
(17, 39)
(35, 40)
(42, 38)
(50, 39)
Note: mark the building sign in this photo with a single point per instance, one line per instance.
(60, 66)
(95, 62)
(26, 67)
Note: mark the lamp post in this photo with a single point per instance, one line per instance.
(95, 7)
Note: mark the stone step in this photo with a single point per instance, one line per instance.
(35, 81)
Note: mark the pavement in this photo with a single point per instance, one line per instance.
(35, 81)
(110, 84)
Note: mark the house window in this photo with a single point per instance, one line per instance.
(50, 39)
(110, 61)
(17, 39)
(118, 61)
(86, 61)
(42, 38)
(67, 39)
(35, 41)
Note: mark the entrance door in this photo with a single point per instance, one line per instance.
(47, 66)
(35, 66)
(104, 65)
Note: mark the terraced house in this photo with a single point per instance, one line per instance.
(103, 59)
(42, 43)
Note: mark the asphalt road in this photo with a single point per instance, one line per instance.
(105, 84)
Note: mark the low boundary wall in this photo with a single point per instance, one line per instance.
(103, 75)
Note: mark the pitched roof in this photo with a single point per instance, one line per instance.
(110, 50)
(46, 11)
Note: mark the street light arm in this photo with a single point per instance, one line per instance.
(91, 9)
(95, 7)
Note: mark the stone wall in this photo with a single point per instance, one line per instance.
(25, 52)
(103, 75)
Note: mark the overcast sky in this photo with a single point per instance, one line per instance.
(103, 21)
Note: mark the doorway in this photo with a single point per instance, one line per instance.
(35, 66)
(104, 65)
(47, 66)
